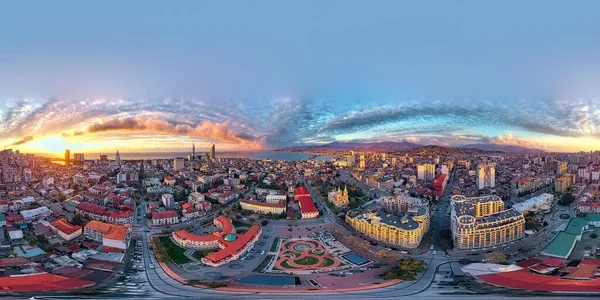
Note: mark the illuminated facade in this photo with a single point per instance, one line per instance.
(406, 231)
(264, 207)
(339, 198)
(482, 222)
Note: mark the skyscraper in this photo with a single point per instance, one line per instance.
(193, 151)
(178, 163)
(212, 153)
(67, 157)
(486, 176)
(118, 158)
(425, 171)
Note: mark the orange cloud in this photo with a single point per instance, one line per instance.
(206, 129)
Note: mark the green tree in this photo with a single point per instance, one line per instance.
(407, 269)
(532, 223)
(496, 257)
(78, 219)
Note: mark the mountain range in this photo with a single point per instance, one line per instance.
(403, 146)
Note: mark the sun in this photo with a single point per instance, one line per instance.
(51, 145)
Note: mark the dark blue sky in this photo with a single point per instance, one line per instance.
(324, 60)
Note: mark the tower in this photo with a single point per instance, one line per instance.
(212, 152)
(346, 191)
(67, 157)
(118, 158)
(193, 151)
(141, 174)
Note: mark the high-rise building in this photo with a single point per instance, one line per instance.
(425, 171)
(178, 163)
(362, 163)
(212, 153)
(78, 157)
(118, 158)
(167, 200)
(394, 161)
(193, 151)
(67, 157)
(561, 167)
(486, 175)
(103, 157)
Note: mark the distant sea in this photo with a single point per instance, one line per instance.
(258, 155)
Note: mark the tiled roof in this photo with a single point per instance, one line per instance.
(164, 214)
(64, 226)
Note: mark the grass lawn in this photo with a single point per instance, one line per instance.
(175, 252)
(237, 223)
(328, 262)
(307, 261)
(200, 254)
(264, 263)
(316, 244)
(318, 252)
(287, 266)
(274, 246)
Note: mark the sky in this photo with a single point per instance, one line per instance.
(248, 75)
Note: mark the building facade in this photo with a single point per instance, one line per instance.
(486, 176)
(339, 198)
(264, 207)
(405, 232)
(482, 222)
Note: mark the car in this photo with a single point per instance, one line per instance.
(151, 266)
(434, 252)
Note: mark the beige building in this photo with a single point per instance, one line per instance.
(339, 198)
(563, 183)
(482, 222)
(406, 231)
(400, 205)
(264, 207)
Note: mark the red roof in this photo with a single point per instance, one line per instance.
(91, 208)
(439, 179)
(164, 214)
(526, 280)
(226, 225)
(65, 227)
(301, 191)
(40, 282)
(234, 247)
(555, 262)
(184, 235)
(307, 205)
(13, 262)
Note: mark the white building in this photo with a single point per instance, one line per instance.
(486, 176)
(275, 198)
(178, 163)
(167, 200)
(542, 202)
(35, 213)
(425, 171)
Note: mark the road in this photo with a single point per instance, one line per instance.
(441, 218)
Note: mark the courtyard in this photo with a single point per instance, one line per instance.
(299, 255)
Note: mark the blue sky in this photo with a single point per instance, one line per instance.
(280, 73)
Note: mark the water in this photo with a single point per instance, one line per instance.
(268, 280)
(355, 258)
(258, 155)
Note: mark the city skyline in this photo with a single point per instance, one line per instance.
(401, 73)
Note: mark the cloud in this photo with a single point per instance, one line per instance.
(23, 140)
(206, 129)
